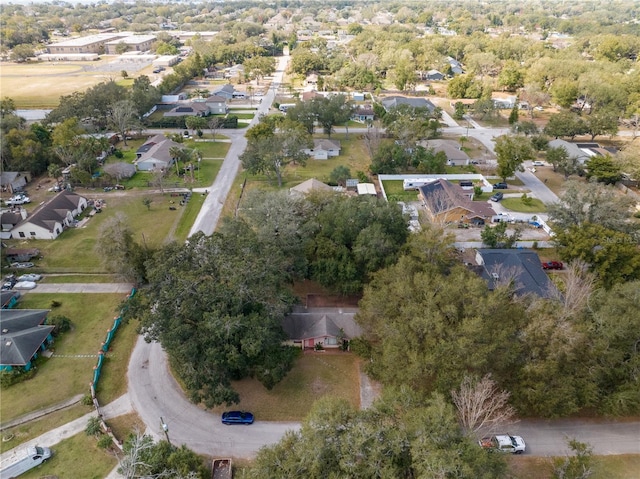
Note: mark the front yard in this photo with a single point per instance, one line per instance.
(314, 375)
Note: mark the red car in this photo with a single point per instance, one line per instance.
(552, 265)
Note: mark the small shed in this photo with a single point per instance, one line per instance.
(366, 189)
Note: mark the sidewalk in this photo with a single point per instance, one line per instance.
(120, 406)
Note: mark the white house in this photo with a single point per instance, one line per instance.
(52, 218)
(155, 154)
(323, 149)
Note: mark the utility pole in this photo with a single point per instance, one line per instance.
(165, 428)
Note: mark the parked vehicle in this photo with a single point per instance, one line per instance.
(497, 197)
(500, 186)
(503, 443)
(553, 265)
(25, 285)
(237, 417)
(22, 265)
(538, 163)
(30, 277)
(17, 200)
(32, 457)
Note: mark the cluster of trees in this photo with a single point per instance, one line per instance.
(403, 435)
(216, 303)
(435, 318)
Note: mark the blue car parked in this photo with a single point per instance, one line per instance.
(237, 417)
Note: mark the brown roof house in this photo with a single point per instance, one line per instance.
(22, 335)
(321, 328)
(448, 203)
(309, 186)
(52, 218)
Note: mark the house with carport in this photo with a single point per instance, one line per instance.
(52, 218)
(23, 335)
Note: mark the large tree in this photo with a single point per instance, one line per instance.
(123, 117)
(591, 203)
(511, 152)
(401, 436)
(216, 305)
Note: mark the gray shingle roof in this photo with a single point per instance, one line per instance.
(522, 266)
(22, 332)
(55, 211)
(442, 195)
(395, 101)
(315, 324)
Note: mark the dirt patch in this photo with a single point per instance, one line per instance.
(319, 387)
(314, 295)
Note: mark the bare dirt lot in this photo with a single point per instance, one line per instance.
(473, 234)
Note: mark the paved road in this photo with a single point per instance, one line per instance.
(209, 215)
(154, 394)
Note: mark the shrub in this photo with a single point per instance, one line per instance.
(105, 442)
(55, 304)
(9, 378)
(118, 154)
(93, 428)
(62, 324)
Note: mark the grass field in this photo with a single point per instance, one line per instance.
(40, 85)
(60, 378)
(122, 426)
(75, 458)
(81, 278)
(516, 204)
(24, 432)
(313, 376)
(395, 191)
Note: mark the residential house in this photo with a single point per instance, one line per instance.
(52, 218)
(234, 72)
(394, 101)
(455, 156)
(574, 150)
(193, 108)
(507, 102)
(519, 267)
(216, 104)
(321, 328)
(23, 333)
(225, 91)
(310, 95)
(434, 75)
(155, 154)
(448, 203)
(363, 113)
(9, 219)
(455, 66)
(8, 299)
(309, 186)
(323, 149)
(14, 181)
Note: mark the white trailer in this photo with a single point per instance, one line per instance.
(32, 457)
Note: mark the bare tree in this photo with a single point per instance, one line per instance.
(577, 465)
(482, 407)
(579, 283)
(215, 124)
(123, 117)
(372, 139)
(132, 465)
(506, 276)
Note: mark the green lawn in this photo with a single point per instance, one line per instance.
(74, 250)
(313, 376)
(75, 458)
(516, 204)
(395, 191)
(188, 217)
(24, 432)
(81, 278)
(60, 378)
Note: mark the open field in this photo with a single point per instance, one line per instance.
(40, 85)
(516, 204)
(315, 374)
(122, 426)
(75, 458)
(70, 371)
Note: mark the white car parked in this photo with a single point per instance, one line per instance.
(25, 285)
(30, 277)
